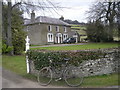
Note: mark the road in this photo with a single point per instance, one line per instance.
(12, 80)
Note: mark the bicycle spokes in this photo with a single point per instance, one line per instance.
(45, 76)
(73, 77)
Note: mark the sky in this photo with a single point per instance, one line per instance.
(74, 10)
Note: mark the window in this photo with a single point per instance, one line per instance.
(65, 36)
(65, 29)
(49, 28)
(57, 28)
(50, 37)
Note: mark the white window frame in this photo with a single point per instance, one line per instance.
(65, 36)
(57, 28)
(65, 29)
(50, 29)
(50, 37)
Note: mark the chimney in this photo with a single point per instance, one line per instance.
(32, 16)
(61, 18)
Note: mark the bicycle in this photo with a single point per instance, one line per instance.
(72, 75)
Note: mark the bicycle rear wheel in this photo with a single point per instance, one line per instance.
(45, 76)
(73, 76)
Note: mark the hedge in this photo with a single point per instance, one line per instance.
(41, 58)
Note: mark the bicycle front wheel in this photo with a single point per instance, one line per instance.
(45, 76)
(73, 76)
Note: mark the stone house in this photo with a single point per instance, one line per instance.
(45, 30)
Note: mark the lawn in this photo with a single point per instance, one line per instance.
(81, 47)
(14, 63)
(17, 64)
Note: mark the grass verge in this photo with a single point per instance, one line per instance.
(16, 64)
(94, 81)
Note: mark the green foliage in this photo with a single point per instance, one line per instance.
(18, 41)
(5, 48)
(18, 35)
(42, 58)
(96, 32)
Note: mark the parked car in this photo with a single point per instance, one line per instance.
(70, 40)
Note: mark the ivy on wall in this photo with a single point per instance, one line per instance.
(41, 58)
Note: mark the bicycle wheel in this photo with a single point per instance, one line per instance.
(73, 76)
(45, 76)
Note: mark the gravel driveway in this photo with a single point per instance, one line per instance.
(58, 45)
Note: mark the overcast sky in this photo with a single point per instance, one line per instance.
(76, 10)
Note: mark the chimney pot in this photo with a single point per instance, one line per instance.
(33, 16)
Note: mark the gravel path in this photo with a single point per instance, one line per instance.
(58, 45)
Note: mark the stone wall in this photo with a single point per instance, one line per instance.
(108, 64)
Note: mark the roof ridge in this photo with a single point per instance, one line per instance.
(47, 17)
(50, 20)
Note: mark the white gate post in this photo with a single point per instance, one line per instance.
(27, 48)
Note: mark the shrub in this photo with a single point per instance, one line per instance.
(97, 32)
(18, 41)
(41, 58)
(5, 48)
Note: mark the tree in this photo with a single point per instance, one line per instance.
(106, 11)
(96, 32)
(18, 35)
(9, 32)
(24, 6)
(118, 19)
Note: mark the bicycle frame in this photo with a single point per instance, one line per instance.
(59, 71)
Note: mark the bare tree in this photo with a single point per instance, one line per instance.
(106, 11)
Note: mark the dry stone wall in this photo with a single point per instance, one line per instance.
(108, 64)
(101, 66)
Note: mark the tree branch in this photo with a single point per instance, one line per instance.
(19, 3)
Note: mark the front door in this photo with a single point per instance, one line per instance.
(59, 38)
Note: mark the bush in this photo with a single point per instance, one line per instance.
(97, 32)
(18, 41)
(5, 48)
(41, 58)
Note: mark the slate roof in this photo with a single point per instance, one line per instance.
(45, 19)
